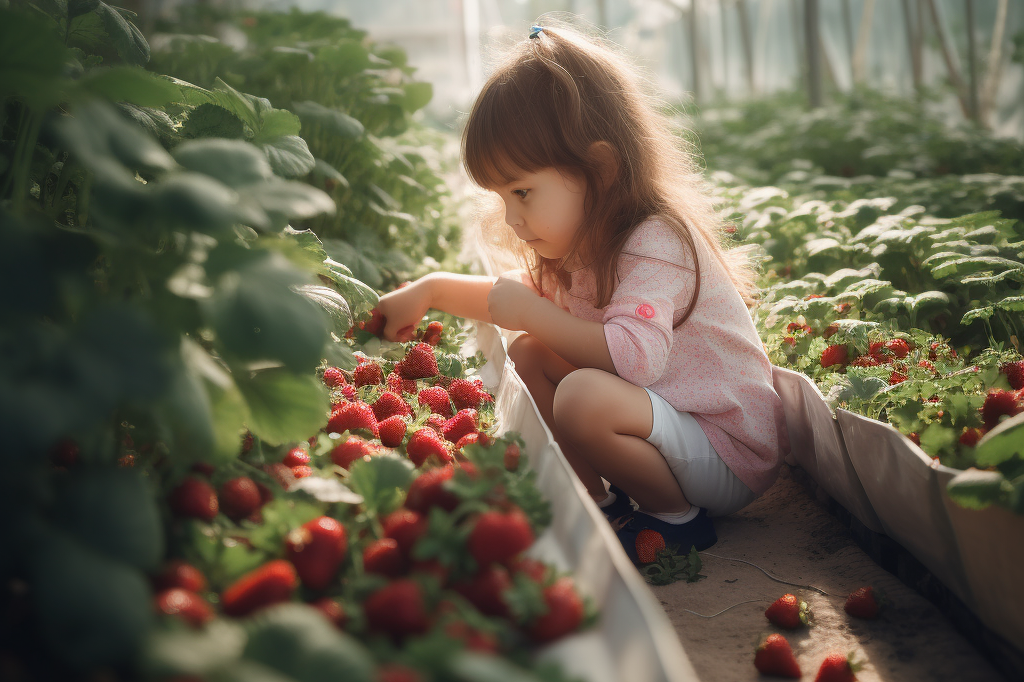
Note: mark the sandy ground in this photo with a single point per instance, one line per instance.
(791, 535)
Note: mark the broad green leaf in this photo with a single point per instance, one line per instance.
(212, 120)
(382, 481)
(233, 162)
(227, 409)
(32, 60)
(79, 7)
(131, 84)
(277, 123)
(982, 313)
(332, 121)
(333, 303)
(417, 96)
(975, 489)
(967, 266)
(346, 57)
(283, 406)
(1001, 443)
(154, 121)
(106, 143)
(1011, 303)
(470, 666)
(126, 38)
(324, 172)
(186, 415)
(203, 204)
(288, 155)
(840, 279)
(185, 651)
(937, 438)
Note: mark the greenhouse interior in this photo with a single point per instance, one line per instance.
(512, 340)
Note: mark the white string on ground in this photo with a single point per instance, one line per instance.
(778, 580)
(749, 601)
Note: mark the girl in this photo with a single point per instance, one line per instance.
(639, 348)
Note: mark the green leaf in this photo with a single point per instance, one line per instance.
(233, 162)
(226, 410)
(382, 481)
(975, 489)
(102, 140)
(288, 155)
(169, 653)
(333, 303)
(331, 121)
(324, 171)
(277, 123)
(79, 7)
(126, 38)
(202, 203)
(417, 96)
(283, 406)
(1001, 443)
(212, 120)
(31, 60)
(131, 84)
(287, 200)
(966, 266)
(469, 666)
(982, 313)
(346, 57)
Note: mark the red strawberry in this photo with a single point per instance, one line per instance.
(1014, 372)
(535, 569)
(334, 377)
(389, 404)
(239, 497)
(317, 549)
(436, 422)
(396, 384)
(897, 377)
(349, 391)
(468, 439)
(473, 639)
(194, 498)
(863, 603)
(396, 672)
(898, 347)
(836, 668)
(915, 438)
(787, 612)
(302, 471)
(970, 437)
(834, 355)
(204, 468)
(352, 449)
(332, 610)
(271, 583)
(789, 340)
(281, 474)
(927, 365)
(485, 590)
(177, 573)
(648, 544)
(397, 609)
(458, 426)
(406, 527)
(296, 457)
(497, 537)
(384, 557)
(997, 403)
(425, 443)
(432, 334)
(419, 363)
(375, 325)
(775, 657)
(875, 350)
(512, 457)
(437, 399)
(392, 430)
(427, 490)
(465, 394)
(185, 604)
(565, 612)
(866, 361)
(830, 330)
(367, 373)
(352, 416)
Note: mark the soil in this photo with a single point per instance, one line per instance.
(791, 535)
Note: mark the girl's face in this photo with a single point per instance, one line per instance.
(544, 208)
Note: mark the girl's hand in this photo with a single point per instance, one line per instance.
(404, 308)
(509, 304)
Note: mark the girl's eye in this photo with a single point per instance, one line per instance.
(521, 193)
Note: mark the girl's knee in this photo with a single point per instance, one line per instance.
(524, 350)
(576, 399)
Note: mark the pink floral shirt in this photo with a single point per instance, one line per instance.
(712, 366)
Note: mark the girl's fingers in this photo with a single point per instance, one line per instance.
(405, 333)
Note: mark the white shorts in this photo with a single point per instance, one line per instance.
(702, 475)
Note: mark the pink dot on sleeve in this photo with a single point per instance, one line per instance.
(645, 311)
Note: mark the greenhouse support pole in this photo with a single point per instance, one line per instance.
(695, 48)
(994, 67)
(748, 47)
(848, 30)
(972, 62)
(860, 52)
(912, 45)
(948, 57)
(723, 16)
(813, 52)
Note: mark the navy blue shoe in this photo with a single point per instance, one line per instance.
(620, 507)
(698, 532)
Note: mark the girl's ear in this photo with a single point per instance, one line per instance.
(607, 159)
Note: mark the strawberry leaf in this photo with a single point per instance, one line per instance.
(382, 481)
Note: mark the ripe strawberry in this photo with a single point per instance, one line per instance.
(497, 537)
(927, 365)
(997, 403)
(352, 449)
(535, 569)
(436, 422)
(565, 612)
(349, 391)
(239, 497)
(836, 668)
(512, 457)
(876, 351)
(334, 377)
(648, 544)
(970, 437)
(775, 657)
(397, 609)
(485, 590)
(384, 557)
(468, 439)
(367, 373)
(352, 416)
(419, 363)
(185, 604)
(317, 549)
(194, 498)
(863, 603)
(829, 331)
(332, 610)
(271, 583)
(834, 355)
(898, 347)
(915, 438)
(396, 384)
(375, 325)
(302, 471)
(432, 334)
(296, 457)
(425, 443)
(405, 526)
(897, 377)
(427, 490)
(282, 474)
(866, 361)
(204, 468)
(458, 426)
(396, 672)
(465, 394)
(472, 639)
(1014, 372)
(392, 430)
(787, 612)
(389, 404)
(179, 574)
(437, 399)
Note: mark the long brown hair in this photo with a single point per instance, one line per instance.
(545, 106)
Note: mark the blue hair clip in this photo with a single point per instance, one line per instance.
(535, 31)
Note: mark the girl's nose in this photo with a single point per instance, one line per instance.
(513, 219)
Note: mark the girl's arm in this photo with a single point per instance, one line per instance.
(460, 295)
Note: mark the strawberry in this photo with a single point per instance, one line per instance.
(458, 426)
(427, 490)
(194, 498)
(787, 612)
(334, 377)
(834, 355)
(997, 403)
(775, 657)
(352, 449)
(397, 609)
(437, 399)
(367, 374)
(915, 438)
(535, 569)
(485, 590)
(332, 610)
(185, 604)
(866, 361)
(897, 377)
(405, 526)
(927, 365)
(432, 334)
(204, 468)
(396, 672)
(466, 394)
(389, 404)
(316, 549)
(384, 557)
(497, 536)
(898, 347)
(648, 544)
(970, 437)
(875, 350)
(282, 474)
(375, 325)
(425, 443)
(239, 497)
(791, 341)
(830, 330)
(468, 439)
(352, 416)
(296, 457)
(419, 363)
(396, 384)
(302, 471)
(436, 422)
(177, 573)
(472, 639)
(392, 430)
(349, 391)
(836, 668)
(1014, 372)
(512, 457)
(565, 612)
(864, 603)
(271, 583)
